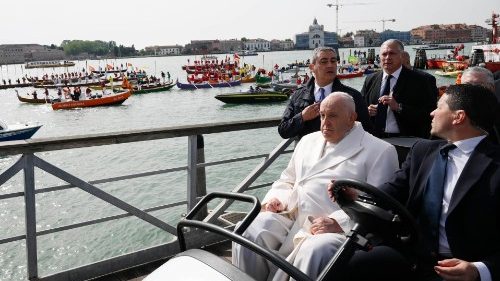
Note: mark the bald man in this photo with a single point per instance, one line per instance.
(481, 76)
(314, 227)
(399, 100)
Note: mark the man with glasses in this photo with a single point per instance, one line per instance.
(301, 115)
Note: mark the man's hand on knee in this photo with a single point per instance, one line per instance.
(325, 225)
(274, 205)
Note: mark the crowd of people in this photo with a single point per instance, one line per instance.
(449, 182)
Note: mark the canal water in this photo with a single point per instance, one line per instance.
(176, 107)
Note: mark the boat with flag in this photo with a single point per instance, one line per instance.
(108, 69)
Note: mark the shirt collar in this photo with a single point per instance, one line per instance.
(395, 74)
(468, 145)
(328, 88)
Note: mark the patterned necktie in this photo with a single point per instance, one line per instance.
(382, 108)
(321, 94)
(433, 195)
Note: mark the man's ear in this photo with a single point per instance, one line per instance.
(459, 117)
(354, 116)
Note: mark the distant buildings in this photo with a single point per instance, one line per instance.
(403, 36)
(164, 50)
(366, 38)
(282, 45)
(229, 46)
(21, 53)
(257, 45)
(450, 33)
(316, 37)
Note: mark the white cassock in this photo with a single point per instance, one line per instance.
(303, 187)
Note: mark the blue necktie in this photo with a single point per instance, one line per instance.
(433, 195)
(381, 117)
(321, 94)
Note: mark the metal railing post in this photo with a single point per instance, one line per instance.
(30, 216)
(201, 179)
(192, 171)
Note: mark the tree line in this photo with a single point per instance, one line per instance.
(97, 48)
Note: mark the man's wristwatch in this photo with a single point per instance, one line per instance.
(400, 108)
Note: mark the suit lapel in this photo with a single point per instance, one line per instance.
(475, 167)
(377, 84)
(396, 91)
(345, 149)
(423, 174)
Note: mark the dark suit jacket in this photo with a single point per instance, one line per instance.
(417, 96)
(292, 125)
(431, 79)
(473, 222)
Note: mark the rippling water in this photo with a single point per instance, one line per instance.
(172, 108)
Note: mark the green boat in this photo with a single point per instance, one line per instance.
(262, 96)
(262, 79)
(153, 88)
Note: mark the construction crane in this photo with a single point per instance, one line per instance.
(337, 5)
(382, 21)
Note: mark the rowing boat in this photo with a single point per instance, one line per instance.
(112, 99)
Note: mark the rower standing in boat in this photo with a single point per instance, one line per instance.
(46, 92)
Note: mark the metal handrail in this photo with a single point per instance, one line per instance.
(29, 161)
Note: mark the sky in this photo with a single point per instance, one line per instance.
(166, 22)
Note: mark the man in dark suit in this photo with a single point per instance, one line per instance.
(301, 115)
(462, 242)
(399, 100)
(431, 79)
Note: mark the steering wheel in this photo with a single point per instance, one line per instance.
(375, 211)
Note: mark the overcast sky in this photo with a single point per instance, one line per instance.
(166, 22)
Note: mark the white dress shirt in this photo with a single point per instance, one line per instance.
(328, 90)
(457, 158)
(391, 126)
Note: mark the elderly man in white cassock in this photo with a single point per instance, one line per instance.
(298, 219)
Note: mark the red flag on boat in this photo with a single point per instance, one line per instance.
(91, 68)
(236, 56)
(109, 66)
